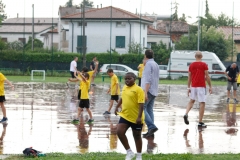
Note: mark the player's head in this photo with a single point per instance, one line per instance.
(130, 79)
(198, 55)
(110, 72)
(76, 59)
(149, 54)
(84, 69)
(234, 65)
(86, 75)
(94, 58)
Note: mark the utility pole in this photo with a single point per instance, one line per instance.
(84, 37)
(32, 26)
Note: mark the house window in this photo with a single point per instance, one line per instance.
(120, 41)
(121, 24)
(80, 23)
(150, 44)
(4, 39)
(23, 40)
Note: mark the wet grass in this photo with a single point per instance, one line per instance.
(119, 156)
(99, 79)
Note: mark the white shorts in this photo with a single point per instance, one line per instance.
(198, 93)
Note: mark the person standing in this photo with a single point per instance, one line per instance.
(197, 74)
(2, 96)
(131, 115)
(92, 67)
(114, 90)
(140, 71)
(73, 70)
(149, 84)
(232, 73)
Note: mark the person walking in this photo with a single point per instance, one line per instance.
(140, 71)
(2, 96)
(73, 71)
(92, 68)
(197, 74)
(232, 73)
(131, 115)
(149, 84)
(114, 90)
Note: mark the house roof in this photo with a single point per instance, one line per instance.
(21, 29)
(42, 21)
(105, 13)
(152, 31)
(176, 26)
(64, 11)
(227, 31)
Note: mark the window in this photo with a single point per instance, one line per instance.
(120, 68)
(120, 41)
(216, 67)
(113, 67)
(188, 64)
(121, 24)
(23, 40)
(163, 67)
(80, 23)
(4, 39)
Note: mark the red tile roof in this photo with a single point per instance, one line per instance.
(227, 31)
(176, 26)
(53, 31)
(105, 13)
(152, 31)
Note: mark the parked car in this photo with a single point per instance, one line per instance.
(118, 69)
(163, 73)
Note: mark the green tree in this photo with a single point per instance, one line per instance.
(183, 18)
(135, 48)
(87, 3)
(15, 45)
(207, 9)
(212, 41)
(175, 14)
(37, 44)
(3, 16)
(69, 3)
(161, 53)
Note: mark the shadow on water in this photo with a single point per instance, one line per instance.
(40, 115)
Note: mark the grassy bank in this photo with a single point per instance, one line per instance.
(99, 79)
(118, 156)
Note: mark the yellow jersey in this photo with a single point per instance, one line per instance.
(114, 85)
(2, 79)
(84, 89)
(140, 70)
(131, 98)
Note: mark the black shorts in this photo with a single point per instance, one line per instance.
(72, 74)
(2, 99)
(115, 97)
(79, 94)
(134, 126)
(84, 103)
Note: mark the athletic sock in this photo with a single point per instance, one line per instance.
(129, 150)
(139, 154)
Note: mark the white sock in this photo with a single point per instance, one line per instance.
(129, 150)
(139, 154)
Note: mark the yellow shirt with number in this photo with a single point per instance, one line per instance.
(114, 85)
(84, 89)
(2, 79)
(131, 97)
(140, 70)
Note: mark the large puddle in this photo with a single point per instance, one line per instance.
(40, 116)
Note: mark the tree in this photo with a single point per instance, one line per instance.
(212, 41)
(175, 14)
(87, 3)
(37, 44)
(3, 16)
(69, 3)
(161, 53)
(183, 18)
(207, 9)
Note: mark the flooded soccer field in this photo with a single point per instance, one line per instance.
(40, 116)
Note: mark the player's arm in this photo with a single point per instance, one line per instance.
(208, 81)
(9, 83)
(139, 66)
(83, 78)
(118, 105)
(140, 111)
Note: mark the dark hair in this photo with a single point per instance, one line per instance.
(149, 53)
(85, 69)
(110, 70)
(86, 75)
(132, 75)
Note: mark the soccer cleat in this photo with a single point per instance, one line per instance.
(185, 117)
(139, 158)
(90, 121)
(228, 100)
(151, 132)
(130, 155)
(75, 121)
(67, 83)
(4, 120)
(106, 113)
(235, 100)
(201, 124)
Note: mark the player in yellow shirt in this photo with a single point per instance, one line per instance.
(131, 115)
(2, 96)
(114, 89)
(140, 71)
(84, 98)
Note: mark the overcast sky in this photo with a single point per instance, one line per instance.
(49, 8)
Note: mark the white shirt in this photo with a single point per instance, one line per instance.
(73, 64)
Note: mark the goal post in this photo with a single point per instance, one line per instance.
(38, 71)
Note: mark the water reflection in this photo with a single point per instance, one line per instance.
(2, 137)
(151, 145)
(231, 119)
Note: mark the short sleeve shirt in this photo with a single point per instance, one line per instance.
(84, 89)
(2, 79)
(73, 64)
(114, 84)
(197, 70)
(232, 73)
(131, 98)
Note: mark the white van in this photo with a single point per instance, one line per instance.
(180, 60)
